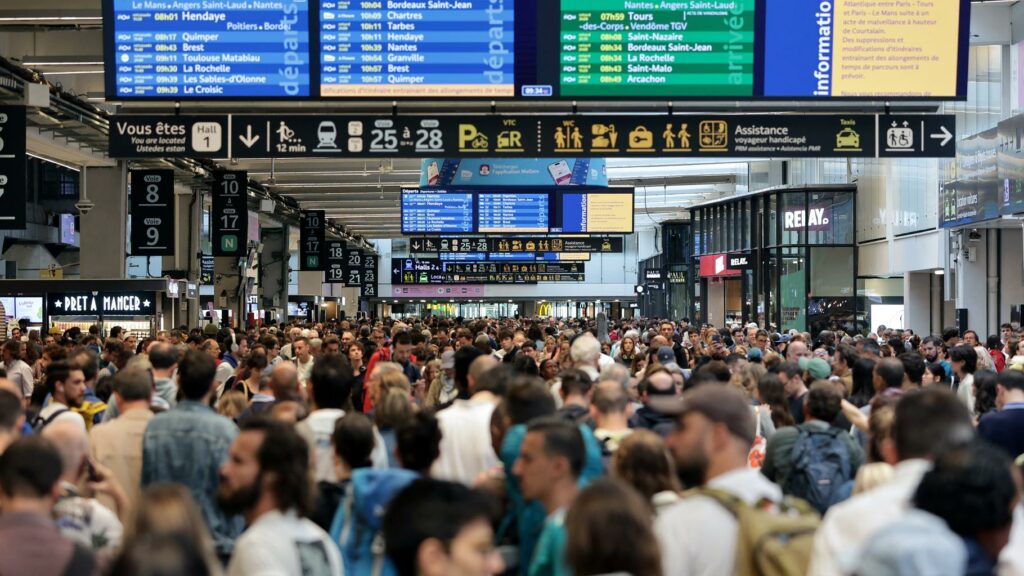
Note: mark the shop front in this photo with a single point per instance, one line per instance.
(784, 257)
(134, 305)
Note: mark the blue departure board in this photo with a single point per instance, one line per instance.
(209, 49)
(417, 48)
(513, 213)
(437, 212)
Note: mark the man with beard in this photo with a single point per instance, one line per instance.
(931, 349)
(66, 386)
(266, 480)
(713, 435)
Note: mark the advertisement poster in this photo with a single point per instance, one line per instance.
(508, 172)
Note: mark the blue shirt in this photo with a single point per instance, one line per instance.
(186, 446)
(1005, 428)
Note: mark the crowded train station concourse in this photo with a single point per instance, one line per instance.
(511, 288)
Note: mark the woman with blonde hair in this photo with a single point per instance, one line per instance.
(392, 408)
(168, 510)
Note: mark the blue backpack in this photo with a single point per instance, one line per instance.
(821, 471)
(356, 528)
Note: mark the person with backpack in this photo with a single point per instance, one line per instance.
(737, 521)
(266, 480)
(815, 461)
(65, 384)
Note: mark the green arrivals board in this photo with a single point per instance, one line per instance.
(645, 48)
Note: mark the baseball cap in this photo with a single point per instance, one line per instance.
(754, 354)
(818, 368)
(448, 360)
(666, 355)
(719, 404)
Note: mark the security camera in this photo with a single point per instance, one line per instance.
(974, 235)
(85, 206)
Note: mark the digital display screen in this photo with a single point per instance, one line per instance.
(513, 213)
(628, 48)
(596, 213)
(446, 48)
(31, 308)
(517, 211)
(536, 49)
(208, 49)
(438, 212)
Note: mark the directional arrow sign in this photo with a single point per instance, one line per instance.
(944, 134)
(916, 136)
(249, 139)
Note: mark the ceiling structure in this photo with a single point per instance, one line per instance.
(61, 40)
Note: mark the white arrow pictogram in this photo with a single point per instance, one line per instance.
(249, 139)
(945, 135)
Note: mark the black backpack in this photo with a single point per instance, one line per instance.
(821, 471)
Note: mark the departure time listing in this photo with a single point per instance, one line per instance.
(211, 48)
(417, 48)
(657, 48)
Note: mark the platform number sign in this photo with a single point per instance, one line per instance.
(369, 287)
(353, 268)
(335, 262)
(152, 210)
(229, 217)
(312, 240)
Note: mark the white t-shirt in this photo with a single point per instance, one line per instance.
(66, 416)
(466, 449)
(88, 522)
(304, 369)
(698, 535)
(282, 544)
(318, 429)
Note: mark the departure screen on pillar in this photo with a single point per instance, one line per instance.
(536, 49)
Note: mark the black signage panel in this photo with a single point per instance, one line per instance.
(433, 271)
(335, 262)
(547, 244)
(917, 136)
(13, 170)
(619, 135)
(652, 275)
(740, 261)
(370, 285)
(152, 210)
(206, 270)
(105, 303)
(312, 240)
(168, 136)
(229, 218)
(353, 268)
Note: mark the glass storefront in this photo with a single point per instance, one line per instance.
(790, 259)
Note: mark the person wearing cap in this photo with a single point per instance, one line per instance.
(711, 441)
(443, 390)
(657, 386)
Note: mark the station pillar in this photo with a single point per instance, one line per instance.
(104, 229)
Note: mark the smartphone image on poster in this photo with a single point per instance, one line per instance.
(560, 172)
(433, 172)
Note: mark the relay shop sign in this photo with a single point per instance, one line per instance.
(513, 136)
(13, 170)
(814, 218)
(721, 265)
(102, 304)
(152, 209)
(229, 218)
